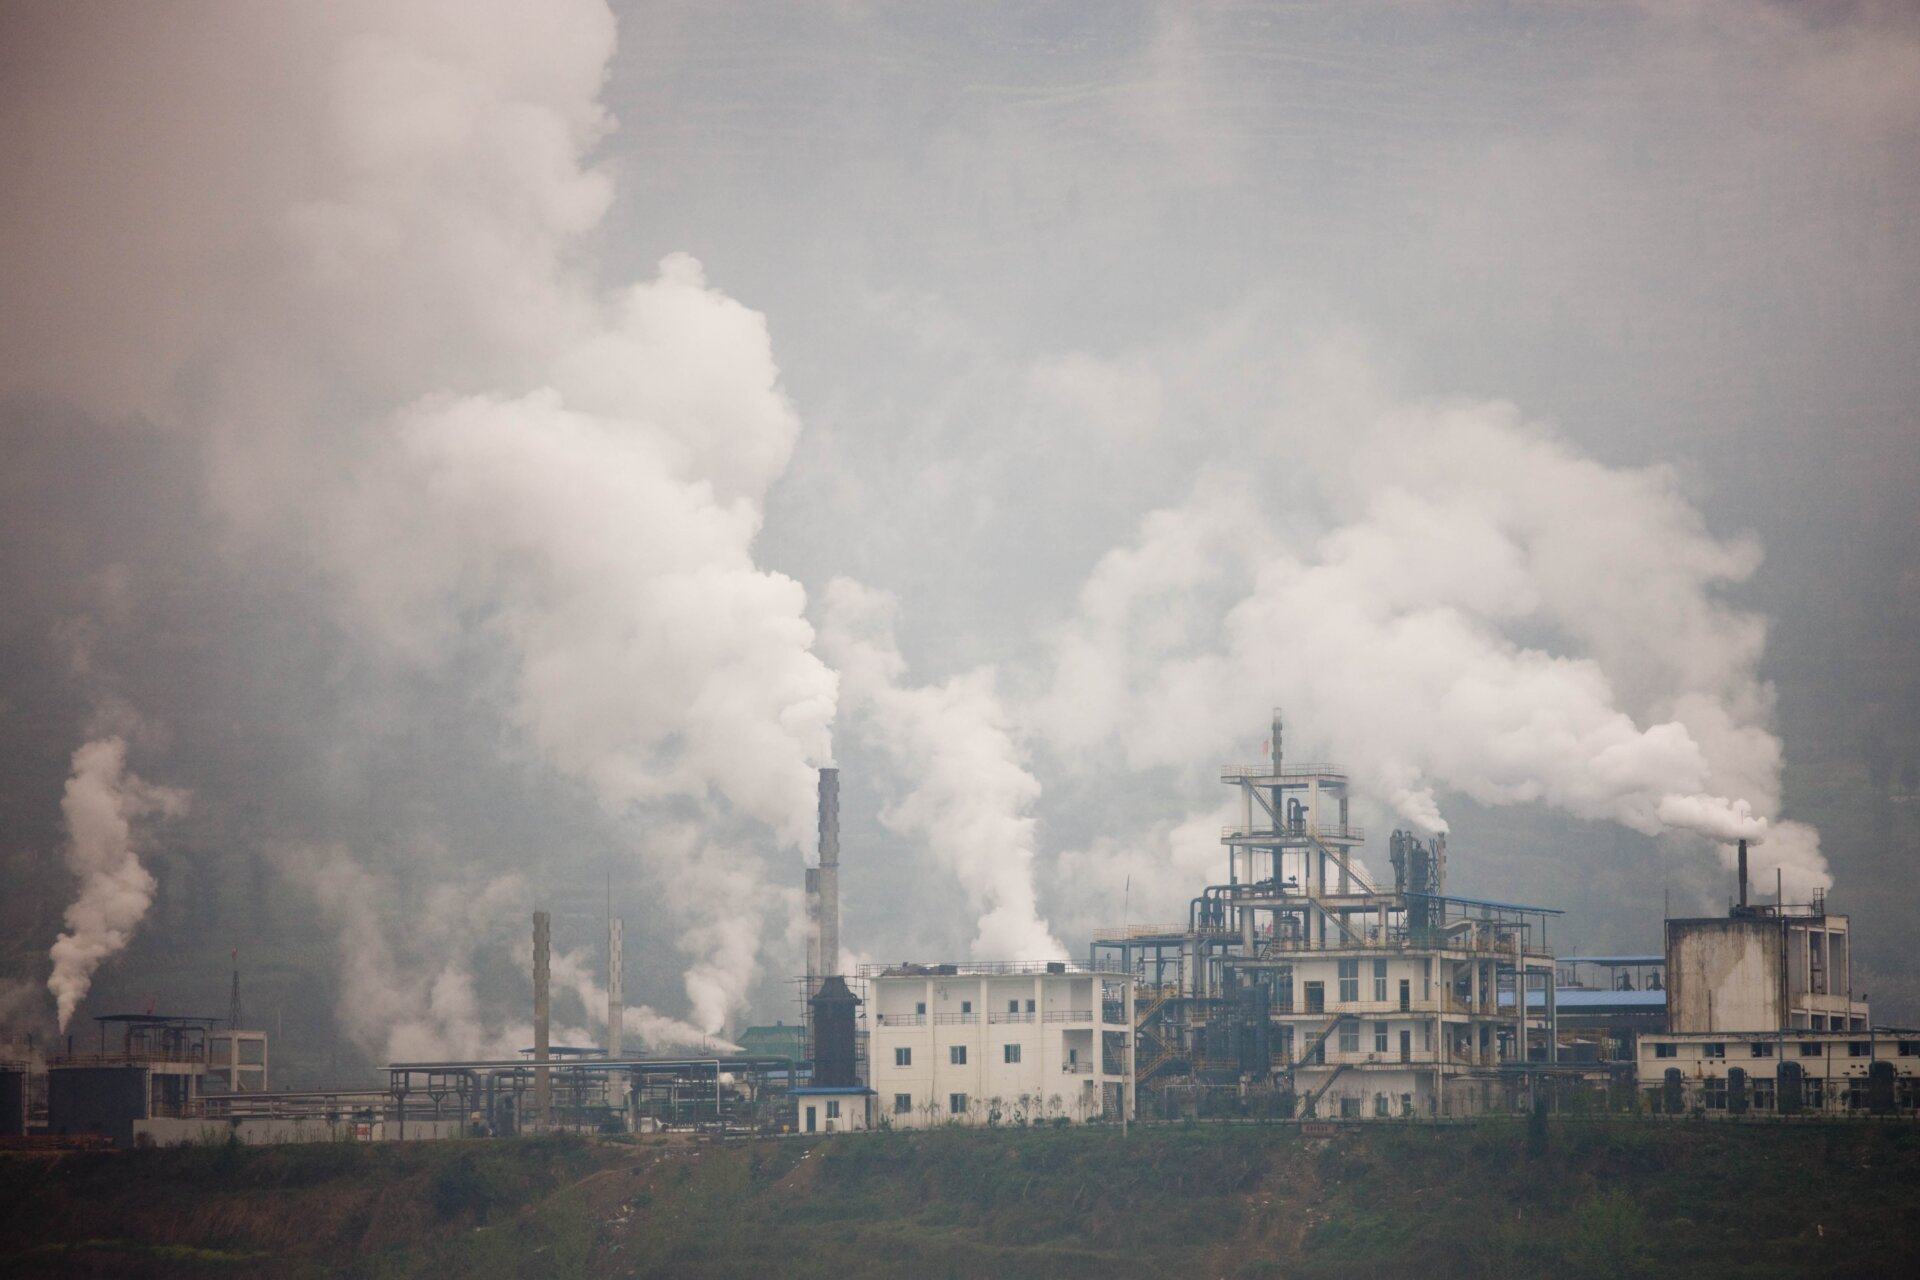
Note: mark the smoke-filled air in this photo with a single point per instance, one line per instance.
(522, 442)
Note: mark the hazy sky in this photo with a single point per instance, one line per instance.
(471, 451)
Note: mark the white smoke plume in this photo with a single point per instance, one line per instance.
(404, 369)
(1482, 609)
(413, 996)
(103, 804)
(575, 972)
(968, 792)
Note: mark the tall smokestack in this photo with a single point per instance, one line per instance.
(829, 879)
(1277, 728)
(542, 976)
(1743, 875)
(813, 930)
(616, 995)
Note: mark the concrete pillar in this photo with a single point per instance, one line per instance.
(616, 986)
(542, 1086)
(829, 878)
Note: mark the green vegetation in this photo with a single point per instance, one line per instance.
(1522, 1198)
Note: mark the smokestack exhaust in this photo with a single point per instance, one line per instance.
(542, 979)
(1743, 876)
(828, 880)
(616, 994)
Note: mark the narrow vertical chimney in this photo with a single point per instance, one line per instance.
(1277, 729)
(616, 993)
(542, 977)
(829, 880)
(1743, 875)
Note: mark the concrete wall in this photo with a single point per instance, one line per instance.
(1052, 1021)
(256, 1131)
(1841, 1063)
(853, 1105)
(105, 1100)
(1725, 975)
(13, 1103)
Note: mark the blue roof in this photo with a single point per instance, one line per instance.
(1590, 998)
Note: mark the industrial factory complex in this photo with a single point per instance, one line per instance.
(1305, 984)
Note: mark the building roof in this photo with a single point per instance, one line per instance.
(829, 1088)
(1614, 961)
(1590, 998)
(991, 968)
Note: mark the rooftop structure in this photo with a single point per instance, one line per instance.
(1302, 978)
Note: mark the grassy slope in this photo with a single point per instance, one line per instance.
(1588, 1199)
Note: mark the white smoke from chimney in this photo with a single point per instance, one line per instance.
(967, 791)
(403, 368)
(1457, 600)
(104, 801)
(1715, 817)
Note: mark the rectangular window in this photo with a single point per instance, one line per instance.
(1380, 981)
(920, 1007)
(1011, 1053)
(1406, 995)
(1349, 1108)
(1666, 1050)
(1858, 1049)
(1426, 979)
(1426, 1037)
(1760, 1049)
(1809, 1048)
(1380, 1105)
(1713, 1050)
(1908, 1048)
(1349, 1037)
(903, 1057)
(956, 1104)
(902, 1104)
(1380, 1039)
(1013, 1006)
(1316, 997)
(833, 1109)
(957, 1055)
(966, 1006)
(1349, 981)
(1029, 1006)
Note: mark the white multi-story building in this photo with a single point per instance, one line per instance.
(999, 1043)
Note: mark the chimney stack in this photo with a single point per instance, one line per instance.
(616, 995)
(1277, 731)
(1743, 876)
(542, 976)
(828, 880)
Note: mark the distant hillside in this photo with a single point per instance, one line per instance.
(1571, 1199)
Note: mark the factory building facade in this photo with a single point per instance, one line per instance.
(1000, 1043)
(1304, 984)
(1762, 1019)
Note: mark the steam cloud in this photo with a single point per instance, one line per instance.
(1483, 610)
(971, 795)
(416, 382)
(419, 1000)
(103, 802)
